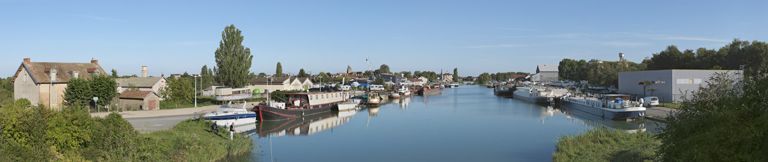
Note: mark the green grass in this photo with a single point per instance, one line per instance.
(671, 105)
(602, 144)
(192, 141)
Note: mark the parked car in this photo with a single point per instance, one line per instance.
(650, 101)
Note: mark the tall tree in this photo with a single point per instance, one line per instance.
(455, 74)
(303, 73)
(349, 69)
(114, 73)
(384, 68)
(206, 77)
(233, 60)
(279, 70)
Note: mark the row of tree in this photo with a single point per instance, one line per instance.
(751, 56)
(595, 71)
(484, 78)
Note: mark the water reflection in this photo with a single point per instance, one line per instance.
(634, 126)
(304, 126)
(461, 124)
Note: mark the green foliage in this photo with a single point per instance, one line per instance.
(70, 129)
(302, 73)
(602, 144)
(483, 78)
(114, 74)
(384, 68)
(81, 92)
(233, 60)
(206, 77)
(456, 77)
(279, 70)
(752, 55)
(725, 121)
(505, 76)
(105, 88)
(6, 91)
(596, 72)
(179, 90)
(78, 92)
(432, 76)
(38, 134)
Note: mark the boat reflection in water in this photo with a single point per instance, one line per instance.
(639, 125)
(304, 126)
(404, 102)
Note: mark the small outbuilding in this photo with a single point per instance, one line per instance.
(139, 100)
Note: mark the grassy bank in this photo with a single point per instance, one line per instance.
(602, 144)
(29, 133)
(192, 141)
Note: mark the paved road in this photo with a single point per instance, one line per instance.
(659, 113)
(150, 121)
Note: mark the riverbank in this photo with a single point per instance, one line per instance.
(192, 140)
(602, 144)
(38, 134)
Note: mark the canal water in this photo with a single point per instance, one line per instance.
(467, 123)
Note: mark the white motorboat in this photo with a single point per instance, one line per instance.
(229, 114)
(346, 106)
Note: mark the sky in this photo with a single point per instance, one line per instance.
(474, 36)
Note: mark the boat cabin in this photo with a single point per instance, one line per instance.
(617, 101)
(309, 100)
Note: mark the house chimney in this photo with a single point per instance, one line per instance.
(144, 71)
(94, 61)
(52, 74)
(27, 60)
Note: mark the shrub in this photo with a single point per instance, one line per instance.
(602, 144)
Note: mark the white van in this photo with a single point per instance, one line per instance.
(650, 101)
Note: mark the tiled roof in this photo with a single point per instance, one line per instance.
(138, 82)
(40, 71)
(135, 94)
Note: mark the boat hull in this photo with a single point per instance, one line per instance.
(532, 99)
(428, 92)
(605, 114)
(230, 119)
(346, 106)
(266, 113)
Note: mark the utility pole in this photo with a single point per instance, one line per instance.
(195, 78)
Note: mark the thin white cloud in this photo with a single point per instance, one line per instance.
(497, 46)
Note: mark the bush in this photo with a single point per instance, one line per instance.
(726, 121)
(602, 144)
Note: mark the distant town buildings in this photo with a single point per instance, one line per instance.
(673, 85)
(44, 83)
(279, 84)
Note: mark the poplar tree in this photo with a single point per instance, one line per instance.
(456, 74)
(279, 70)
(233, 60)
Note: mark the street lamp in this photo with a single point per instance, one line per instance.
(195, 78)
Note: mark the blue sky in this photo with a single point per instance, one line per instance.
(327, 35)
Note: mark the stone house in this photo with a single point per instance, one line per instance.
(139, 100)
(152, 84)
(44, 83)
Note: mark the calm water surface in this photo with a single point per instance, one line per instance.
(462, 124)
